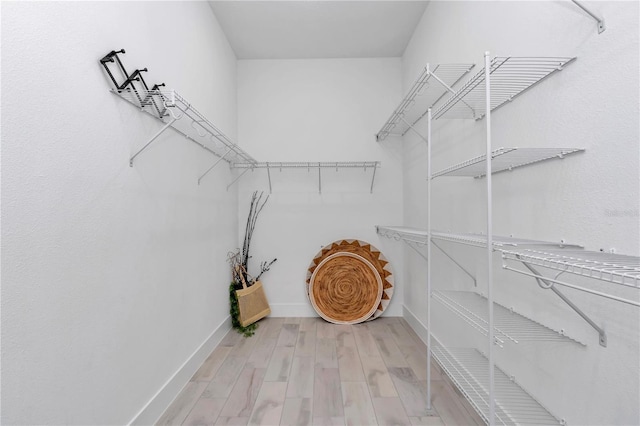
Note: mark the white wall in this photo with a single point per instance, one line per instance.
(112, 277)
(590, 198)
(317, 110)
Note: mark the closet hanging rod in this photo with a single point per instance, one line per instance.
(337, 165)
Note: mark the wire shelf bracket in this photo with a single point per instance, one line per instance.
(599, 20)
(505, 159)
(510, 77)
(415, 238)
(422, 95)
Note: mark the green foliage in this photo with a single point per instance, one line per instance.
(234, 310)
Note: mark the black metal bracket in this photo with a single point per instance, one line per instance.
(129, 83)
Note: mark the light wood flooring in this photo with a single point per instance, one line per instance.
(305, 371)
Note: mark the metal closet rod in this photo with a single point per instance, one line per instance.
(307, 165)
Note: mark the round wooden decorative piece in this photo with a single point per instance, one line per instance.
(369, 253)
(345, 288)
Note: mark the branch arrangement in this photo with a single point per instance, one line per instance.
(239, 259)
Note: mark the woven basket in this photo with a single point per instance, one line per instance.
(252, 303)
(370, 253)
(345, 288)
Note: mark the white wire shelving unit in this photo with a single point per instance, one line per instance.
(336, 165)
(509, 326)
(500, 81)
(470, 370)
(430, 86)
(509, 77)
(504, 159)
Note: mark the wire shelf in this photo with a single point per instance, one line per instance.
(505, 159)
(309, 165)
(415, 235)
(480, 240)
(169, 104)
(469, 370)
(510, 77)
(508, 325)
(422, 95)
(609, 267)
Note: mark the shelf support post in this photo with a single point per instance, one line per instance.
(153, 138)
(601, 333)
(214, 165)
(599, 20)
(492, 399)
(319, 180)
(429, 263)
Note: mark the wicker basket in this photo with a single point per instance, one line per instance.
(345, 288)
(368, 252)
(252, 303)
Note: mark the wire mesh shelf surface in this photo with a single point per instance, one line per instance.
(510, 77)
(171, 105)
(508, 325)
(614, 268)
(469, 370)
(309, 165)
(504, 159)
(422, 95)
(398, 233)
(480, 240)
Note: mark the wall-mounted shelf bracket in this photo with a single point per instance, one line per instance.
(214, 165)
(599, 20)
(543, 283)
(475, 283)
(238, 178)
(153, 138)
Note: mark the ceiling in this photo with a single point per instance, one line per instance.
(318, 29)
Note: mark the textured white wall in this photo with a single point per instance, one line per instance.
(590, 198)
(112, 277)
(317, 110)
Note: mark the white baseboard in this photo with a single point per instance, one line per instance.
(292, 310)
(418, 326)
(152, 411)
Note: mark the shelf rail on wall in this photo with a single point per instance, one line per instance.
(337, 165)
(430, 86)
(510, 77)
(505, 159)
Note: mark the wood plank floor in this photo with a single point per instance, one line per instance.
(305, 371)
